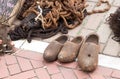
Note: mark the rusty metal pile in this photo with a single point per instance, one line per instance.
(45, 18)
(49, 12)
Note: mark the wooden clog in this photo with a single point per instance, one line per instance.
(88, 55)
(70, 50)
(53, 49)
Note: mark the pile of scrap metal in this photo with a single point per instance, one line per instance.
(45, 18)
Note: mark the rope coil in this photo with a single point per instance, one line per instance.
(40, 16)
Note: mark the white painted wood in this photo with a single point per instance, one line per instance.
(110, 62)
(18, 43)
(35, 45)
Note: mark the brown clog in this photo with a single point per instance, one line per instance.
(88, 54)
(53, 49)
(70, 50)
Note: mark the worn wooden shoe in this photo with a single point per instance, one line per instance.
(53, 49)
(88, 55)
(70, 50)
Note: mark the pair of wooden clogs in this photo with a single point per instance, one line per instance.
(86, 51)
